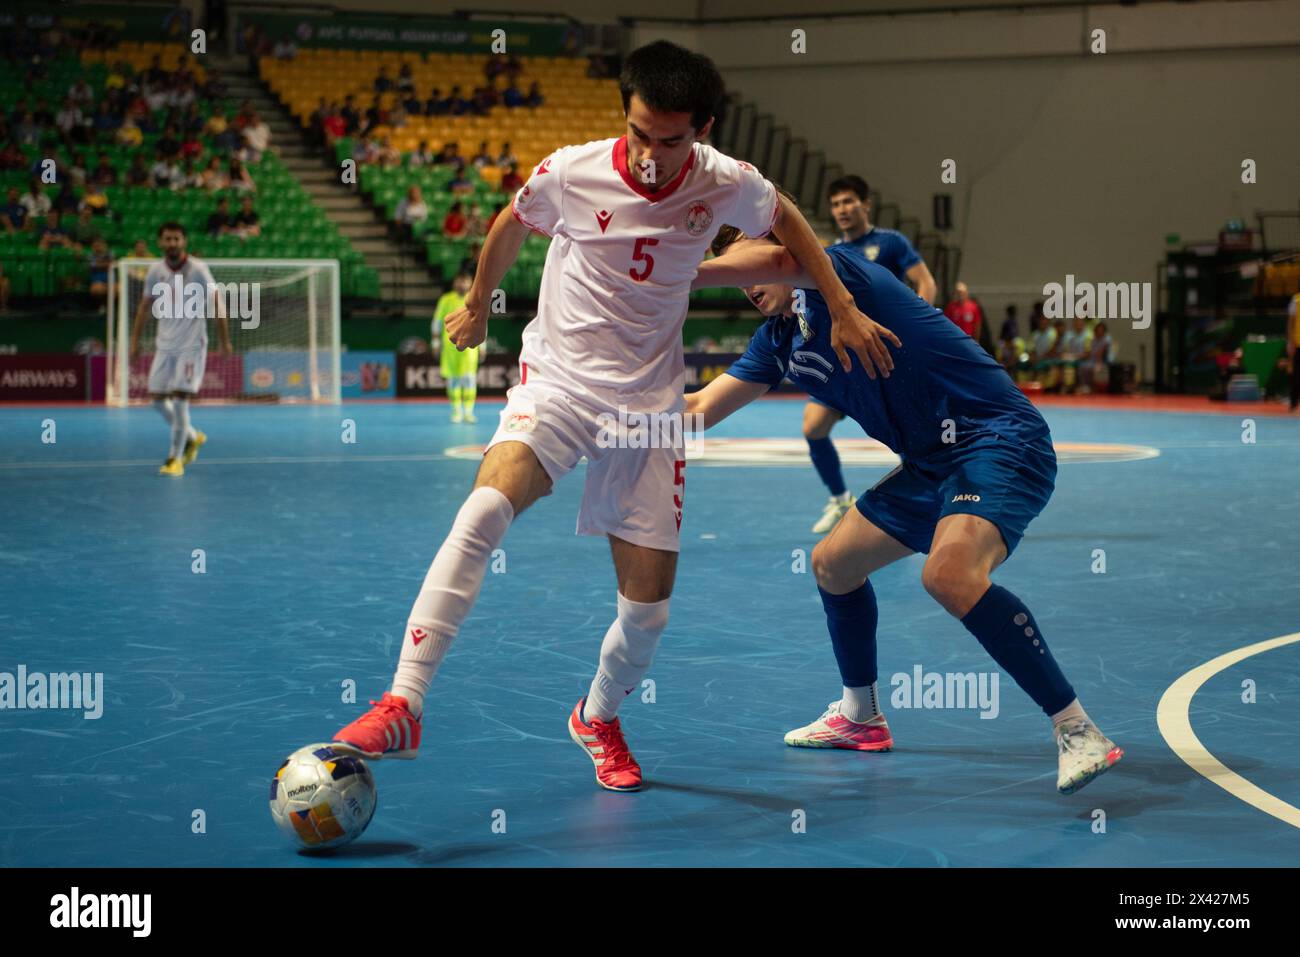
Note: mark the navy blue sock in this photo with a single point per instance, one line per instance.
(1010, 635)
(827, 463)
(851, 620)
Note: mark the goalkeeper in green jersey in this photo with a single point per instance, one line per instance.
(459, 369)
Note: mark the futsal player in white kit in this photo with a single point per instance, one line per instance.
(630, 220)
(181, 341)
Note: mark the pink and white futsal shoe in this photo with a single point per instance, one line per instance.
(833, 730)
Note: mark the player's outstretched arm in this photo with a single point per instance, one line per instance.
(721, 397)
(850, 328)
(467, 326)
(750, 264)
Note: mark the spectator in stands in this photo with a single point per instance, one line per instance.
(482, 158)
(411, 104)
(454, 224)
(351, 118)
(1075, 345)
(507, 156)
(1292, 346)
(191, 146)
(190, 178)
(364, 150)
(240, 179)
(137, 174)
(334, 126)
(77, 172)
(534, 98)
(117, 76)
(4, 290)
(217, 123)
(512, 96)
(219, 223)
(457, 105)
(164, 171)
(1010, 323)
(285, 48)
(513, 67)
(53, 234)
(460, 184)
(105, 121)
(13, 215)
(128, 134)
(155, 97)
(435, 105)
(405, 81)
(1042, 342)
(81, 93)
(479, 103)
(35, 201)
(388, 155)
(397, 116)
(965, 312)
(42, 114)
(376, 115)
(411, 209)
(95, 199)
(65, 200)
(168, 144)
(450, 156)
(180, 94)
(475, 227)
(247, 222)
(421, 155)
(1095, 370)
(470, 263)
(99, 260)
(213, 176)
(1011, 350)
(11, 157)
(494, 67)
(511, 182)
(26, 131)
(84, 230)
(70, 122)
(382, 82)
(258, 134)
(104, 174)
(192, 121)
(155, 73)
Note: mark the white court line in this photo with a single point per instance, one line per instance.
(261, 460)
(1176, 727)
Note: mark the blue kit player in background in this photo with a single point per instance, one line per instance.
(977, 467)
(850, 203)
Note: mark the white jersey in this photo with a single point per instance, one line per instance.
(179, 328)
(617, 276)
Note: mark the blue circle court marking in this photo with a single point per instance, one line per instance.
(1176, 727)
(784, 452)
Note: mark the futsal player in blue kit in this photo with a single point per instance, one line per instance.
(977, 466)
(850, 206)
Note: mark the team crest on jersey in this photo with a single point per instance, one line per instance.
(521, 422)
(871, 252)
(805, 330)
(698, 218)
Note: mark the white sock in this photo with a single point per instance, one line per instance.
(449, 591)
(164, 407)
(625, 655)
(860, 705)
(180, 425)
(1071, 710)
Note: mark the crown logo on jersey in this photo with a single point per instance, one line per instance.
(603, 218)
(698, 218)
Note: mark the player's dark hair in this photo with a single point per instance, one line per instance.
(672, 79)
(849, 184)
(172, 226)
(729, 234)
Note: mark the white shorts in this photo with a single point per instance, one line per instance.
(635, 494)
(177, 371)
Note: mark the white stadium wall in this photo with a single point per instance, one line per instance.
(1067, 163)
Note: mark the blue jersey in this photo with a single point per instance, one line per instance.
(885, 247)
(939, 374)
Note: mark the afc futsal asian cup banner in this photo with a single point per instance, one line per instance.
(416, 34)
(283, 373)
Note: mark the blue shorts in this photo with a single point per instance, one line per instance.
(1003, 481)
(816, 401)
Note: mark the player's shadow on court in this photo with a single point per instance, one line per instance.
(364, 850)
(455, 853)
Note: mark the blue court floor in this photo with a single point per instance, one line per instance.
(314, 550)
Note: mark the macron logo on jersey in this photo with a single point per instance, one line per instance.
(545, 166)
(603, 217)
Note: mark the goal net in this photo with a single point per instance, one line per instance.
(283, 317)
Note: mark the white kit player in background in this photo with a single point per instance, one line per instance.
(630, 220)
(181, 341)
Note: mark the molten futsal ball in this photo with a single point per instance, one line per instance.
(323, 796)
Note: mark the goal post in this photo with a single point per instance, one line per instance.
(284, 321)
